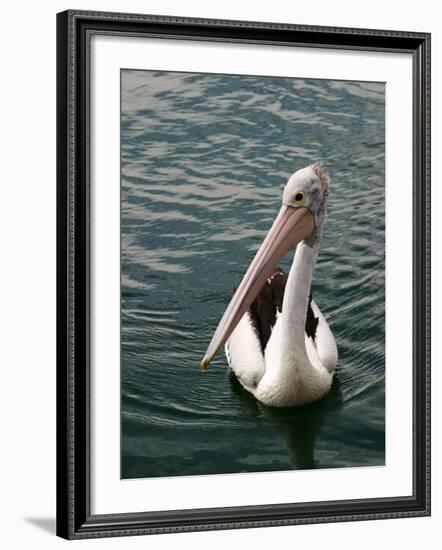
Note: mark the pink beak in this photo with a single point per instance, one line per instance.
(291, 226)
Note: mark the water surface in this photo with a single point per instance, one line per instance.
(204, 161)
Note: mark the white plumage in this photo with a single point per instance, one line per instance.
(287, 373)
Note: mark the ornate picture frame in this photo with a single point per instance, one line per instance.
(75, 517)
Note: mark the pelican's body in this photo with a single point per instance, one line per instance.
(295, 364)
(277, 341)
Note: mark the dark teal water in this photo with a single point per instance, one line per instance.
(204, 161)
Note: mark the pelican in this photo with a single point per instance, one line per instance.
(277, 341)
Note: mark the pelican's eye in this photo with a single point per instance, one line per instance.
(298, 198)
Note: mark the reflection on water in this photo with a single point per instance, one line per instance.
(204, 160)
(297, 426)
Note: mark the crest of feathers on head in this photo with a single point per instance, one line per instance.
(324, 178)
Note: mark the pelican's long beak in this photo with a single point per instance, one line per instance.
(291, 226)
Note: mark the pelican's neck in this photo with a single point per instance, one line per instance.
(296, 299)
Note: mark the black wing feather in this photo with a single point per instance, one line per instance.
(268, 302)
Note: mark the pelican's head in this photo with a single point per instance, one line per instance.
(300, 219)
(308, 188)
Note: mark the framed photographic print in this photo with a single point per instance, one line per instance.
(243, 274)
